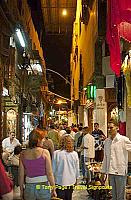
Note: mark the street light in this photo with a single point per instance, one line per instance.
(64, 12)
(20, 37)
(59, 103)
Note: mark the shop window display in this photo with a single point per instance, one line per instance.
(11, 121)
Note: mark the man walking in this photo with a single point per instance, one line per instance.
(76, 139)
(54, 136)
(115, 161)
(88, 144)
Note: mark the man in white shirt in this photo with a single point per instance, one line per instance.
(115, 161)
(8, 145)
(54, 136)
(61, 131)
(88, 144)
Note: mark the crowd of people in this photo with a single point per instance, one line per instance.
(50, 165)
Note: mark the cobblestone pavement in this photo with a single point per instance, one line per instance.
(83, 195)
(80, 195)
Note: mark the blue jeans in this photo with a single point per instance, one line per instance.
(82, 165)
(37, 191)
(118, 184)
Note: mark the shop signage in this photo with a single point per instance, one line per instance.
(91, 92)
(44, 88)
(110, 95)
(10, 104)
(100, 102)
(101, 110)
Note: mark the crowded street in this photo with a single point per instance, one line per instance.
(65, 100)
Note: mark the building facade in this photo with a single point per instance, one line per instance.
(22, 69)
(91, 78)
(83, 54)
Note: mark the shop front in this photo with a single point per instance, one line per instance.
(11, 120)
(126, 67)
(110, 98)
(10, 117)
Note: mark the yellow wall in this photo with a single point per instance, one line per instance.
(86, 46)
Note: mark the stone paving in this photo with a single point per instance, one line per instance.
(83, 195)
(80, 195)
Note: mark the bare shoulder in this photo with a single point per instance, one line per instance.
(46, 152)
(43, 151)
(50, 141)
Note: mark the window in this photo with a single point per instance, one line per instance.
(85, 12)
(80, 25)
(107, 53)
(81, 74)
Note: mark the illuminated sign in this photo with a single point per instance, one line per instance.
(91, 92)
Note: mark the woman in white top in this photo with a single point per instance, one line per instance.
(65, 168)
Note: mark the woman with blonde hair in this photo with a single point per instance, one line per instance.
(35, 171)
(65, 168)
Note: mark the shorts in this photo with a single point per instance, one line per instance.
(37, 191)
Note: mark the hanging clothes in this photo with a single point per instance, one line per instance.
(118, 25)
